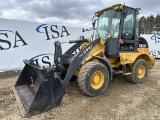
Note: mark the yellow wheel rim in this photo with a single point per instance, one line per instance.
(97, 79)
(141, 71)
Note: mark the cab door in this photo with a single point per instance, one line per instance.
(129, 30)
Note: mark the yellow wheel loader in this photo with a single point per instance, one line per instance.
(116, 46)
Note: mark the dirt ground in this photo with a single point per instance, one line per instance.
(122, 100)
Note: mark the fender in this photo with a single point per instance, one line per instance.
(106, 62)
(77, 61)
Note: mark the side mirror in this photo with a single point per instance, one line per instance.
(94, 24)
(94, 20)
(139, 22)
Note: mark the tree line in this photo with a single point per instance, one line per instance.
(150, 25)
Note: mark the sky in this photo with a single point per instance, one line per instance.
(72, 13)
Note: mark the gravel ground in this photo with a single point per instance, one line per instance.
(122, 100)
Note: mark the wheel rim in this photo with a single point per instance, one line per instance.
(97, 79)
(141, 71)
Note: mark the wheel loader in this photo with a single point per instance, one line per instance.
(115, 46)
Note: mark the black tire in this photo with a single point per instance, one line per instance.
(134, 77)
(86, 76)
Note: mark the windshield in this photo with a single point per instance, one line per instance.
(108, 24)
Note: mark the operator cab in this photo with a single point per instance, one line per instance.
(118, 25)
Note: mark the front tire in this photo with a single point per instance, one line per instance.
(93, 78)
(139, 72)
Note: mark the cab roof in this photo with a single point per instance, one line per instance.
(116, 6)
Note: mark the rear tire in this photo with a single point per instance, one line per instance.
(93, 78)
(139, 72)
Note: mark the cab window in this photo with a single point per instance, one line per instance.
(128, 25)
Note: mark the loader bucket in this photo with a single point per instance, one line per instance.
(37, 90)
